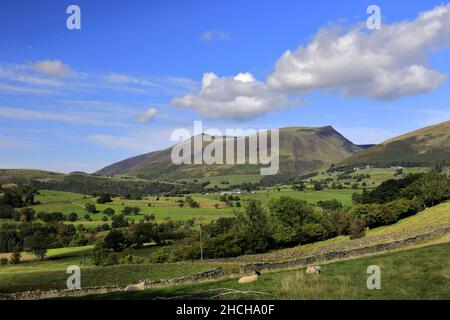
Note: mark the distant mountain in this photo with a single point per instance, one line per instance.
(426, 146)
(302, 150)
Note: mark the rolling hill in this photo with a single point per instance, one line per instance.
(425, 146)
(302, 150)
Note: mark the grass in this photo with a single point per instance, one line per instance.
(312, 197)
(48, 275)
(163, 209)
(439, 214)
(411, 274)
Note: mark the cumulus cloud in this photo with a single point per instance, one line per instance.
(54, 68)
(236, 98)
(385, 64)
(148, 115)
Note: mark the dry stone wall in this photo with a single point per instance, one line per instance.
(344, 254)
(38, 294)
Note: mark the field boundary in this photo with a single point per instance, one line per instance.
(341, 255)
(49, 294)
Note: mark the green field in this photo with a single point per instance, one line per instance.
(422, 273)
(163, 209)
(312, 197)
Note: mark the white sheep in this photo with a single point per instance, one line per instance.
(315, 269)
(249, 279)
(136, 287)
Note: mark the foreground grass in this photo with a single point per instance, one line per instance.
(52, 275)
(412, 274)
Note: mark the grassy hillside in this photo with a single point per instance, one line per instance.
(302, 149)
(425, 146)
(26, 175)
(411, 274)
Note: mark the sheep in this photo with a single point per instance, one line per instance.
(315, 269)
(136, 287)
(249, 279)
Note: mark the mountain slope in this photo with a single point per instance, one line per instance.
(425, 146)
(302, 150)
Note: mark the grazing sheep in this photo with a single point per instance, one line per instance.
(315, 269)
(250, 278)
(136, 287)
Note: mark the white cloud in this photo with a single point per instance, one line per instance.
(136, 140)
(66, 117)
(148, 115)
(54, 68)
(213, 35)
(123, 78)
(385, 64)
(238, 98)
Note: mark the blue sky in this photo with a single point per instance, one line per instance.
(82, 99)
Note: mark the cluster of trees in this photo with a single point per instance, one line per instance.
(429, 189)
(289, 222)
(37, 238)
(118, 245)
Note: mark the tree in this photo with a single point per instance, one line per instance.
(357, 228)
(109, 211)
(254, 232)
(99, 255)
(90, 207)
(312, 232)
(119, 221)
(115, 240)
(141, 233)
(72, 217)
(431, 189)
(372, 214)
(318, 186)
(37, 244)
(128, 211)
(104, 198)
(6, 212)
(330, 205)
(26, 214)
(191, 202)
(15, 256)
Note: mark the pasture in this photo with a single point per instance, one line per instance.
(416, 274)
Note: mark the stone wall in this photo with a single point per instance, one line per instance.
(38, 294)
(344, 254)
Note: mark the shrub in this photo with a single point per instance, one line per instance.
(131, 259)
(15, 256)
(3, 261)
(403, 208)
(357, 228)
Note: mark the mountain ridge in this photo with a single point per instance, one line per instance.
(302, 150)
